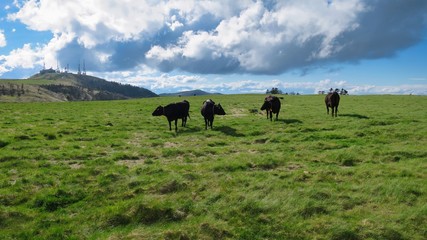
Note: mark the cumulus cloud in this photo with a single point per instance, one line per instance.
(297, 35)
(258, 40)
(25, 57)
(261, 37)
(32, 56)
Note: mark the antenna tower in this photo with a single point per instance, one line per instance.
(79, 72)
(84, 67)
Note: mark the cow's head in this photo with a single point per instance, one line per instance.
(158, 111)
(209, 101)
(219, 110)
(266, 106)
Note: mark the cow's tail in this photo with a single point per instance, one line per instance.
(188, 115)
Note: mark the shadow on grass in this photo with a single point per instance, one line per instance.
(228, 131)
(289, 121)
(189, 129)
(354, 116)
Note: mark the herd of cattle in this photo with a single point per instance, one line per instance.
(271, 105)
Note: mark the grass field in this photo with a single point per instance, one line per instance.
(35, 82)
(110, 170)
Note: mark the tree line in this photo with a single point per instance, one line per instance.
(114, 87)
(11, 89)
(276, 90)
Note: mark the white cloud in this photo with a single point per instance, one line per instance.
(17, 4)
(119, 38)
(243, 36)
(24, 57)
(172, 82)
(2, 39)
(263, 40)
(232, 36)
(405, 89)
(98, 21)
(175, 83)
(92, 22)
(34, 56)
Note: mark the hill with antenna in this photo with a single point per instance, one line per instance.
(49, 86)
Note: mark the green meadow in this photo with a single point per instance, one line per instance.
(110, 170)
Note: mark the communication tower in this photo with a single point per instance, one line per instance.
(84, 67)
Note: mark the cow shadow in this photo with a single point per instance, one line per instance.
(228, 131)
(290, 121)
(189, 129)
(354, 116)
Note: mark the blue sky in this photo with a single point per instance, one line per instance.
(245, 46)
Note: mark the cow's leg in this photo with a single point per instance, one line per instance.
(277, 116)
(206, 123)
(212, 123)
(333, 111)
(176, 125)
(327, 109)
(184, 121)
(266, 111)
(271, 115)
(170, 125)
(336, 111)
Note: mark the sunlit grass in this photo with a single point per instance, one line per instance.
(85, 170)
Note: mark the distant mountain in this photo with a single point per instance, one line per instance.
(52, 86)
(197, 92)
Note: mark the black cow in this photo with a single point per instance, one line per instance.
(173, 112)
(271, 105)
(209, 109)
(332, 100)
(184, 119)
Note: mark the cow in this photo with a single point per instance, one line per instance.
(184, 119)
(271, 105)
(208, 111)
(173, 112)
(332, 100)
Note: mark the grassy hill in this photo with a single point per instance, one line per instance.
(110, 170)
(50, 87)
(196, 92)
